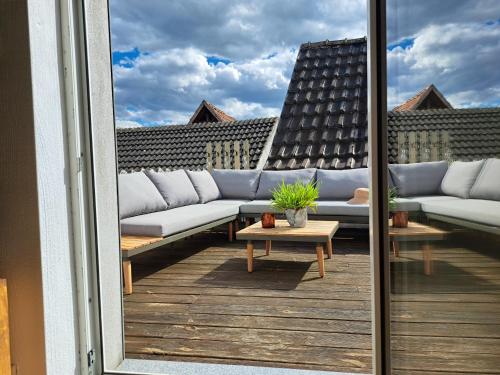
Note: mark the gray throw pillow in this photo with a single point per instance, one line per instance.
(487, 185)
(175, 187)
(237, 183)
(340, 184)
(269, 180)
(418, 178)
(460, 177)
(138, 195)
(205, 185)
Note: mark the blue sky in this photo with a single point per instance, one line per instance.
(239, 55)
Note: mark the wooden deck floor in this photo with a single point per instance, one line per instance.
(194, 301)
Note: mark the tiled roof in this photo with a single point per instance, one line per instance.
(184, 146)
(428, 98)
(473, 133)
(207, 112)
(323, 123)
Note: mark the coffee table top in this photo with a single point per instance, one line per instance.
(417, 232)
(314, 231)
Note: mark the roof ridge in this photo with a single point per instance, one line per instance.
(422, 112)
(197, 124)
(328, 43)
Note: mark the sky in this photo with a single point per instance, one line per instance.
(170, 55)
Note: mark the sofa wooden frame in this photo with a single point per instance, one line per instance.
(134, 245)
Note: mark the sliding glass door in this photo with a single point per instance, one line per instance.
(443, 141)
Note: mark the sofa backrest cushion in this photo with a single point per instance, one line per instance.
(418, 178)
(460, 177)
(205, 185)
(138, 195)
(487, 185)
(237, 183)
(269, 180)
(175, 187)
(340, 184)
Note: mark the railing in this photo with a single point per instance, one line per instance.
(415, 147)
(228, 155)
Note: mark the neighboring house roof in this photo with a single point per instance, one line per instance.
(473, 133)
(207, 112)
(323, 122)
(184, 146)
(428, 98)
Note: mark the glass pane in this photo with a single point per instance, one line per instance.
(444, 150)
(243, 95)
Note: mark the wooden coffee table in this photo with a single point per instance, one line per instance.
(417, 232)
(319, 232)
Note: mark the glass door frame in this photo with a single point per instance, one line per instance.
(379, 211)
(92, 22)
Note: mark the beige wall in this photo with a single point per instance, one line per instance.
(20, 261)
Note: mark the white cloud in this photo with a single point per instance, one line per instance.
(244, 110)
(167, 86)
(127, 124)
(260, 39)
(460, 59)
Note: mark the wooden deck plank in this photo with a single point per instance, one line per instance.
(196, 302)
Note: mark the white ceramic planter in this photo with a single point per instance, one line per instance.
(296, 218)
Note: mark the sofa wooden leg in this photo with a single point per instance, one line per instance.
(247, 222)
(236, 225)
(230, 231)
(127, 276)
(268, 246)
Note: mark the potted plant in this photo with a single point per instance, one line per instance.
(399, 218)
(294, 199)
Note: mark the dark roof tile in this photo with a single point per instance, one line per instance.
(184, 146)
(324, 117)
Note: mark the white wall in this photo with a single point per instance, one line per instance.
(35, 234)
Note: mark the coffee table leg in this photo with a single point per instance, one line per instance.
(268, 246)
(321, 259)
(329, 248)
(395, 248)
(250, 256)
(427, 252)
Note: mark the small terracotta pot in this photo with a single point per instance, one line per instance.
(268, 220)
(400, 219)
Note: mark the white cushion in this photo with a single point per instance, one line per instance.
(175, 187)
(340, 184)
(460, 178)
(487, 185)
(205, 185)
(138, 195)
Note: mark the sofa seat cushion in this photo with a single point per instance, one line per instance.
(334, 208)
(412, 204)
(175, 187)
(237, 183)
(236, 203)
(340, 184)
(138, 195)
(460, 178)
(258, 206)
(165, 223)
(342, 208)
(270, 180)
(480, 211)
(418, 178)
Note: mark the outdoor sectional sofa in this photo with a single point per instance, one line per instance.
(172, 205)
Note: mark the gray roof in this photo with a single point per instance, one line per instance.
(184, 146)
(473, 133)
(323, 122)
